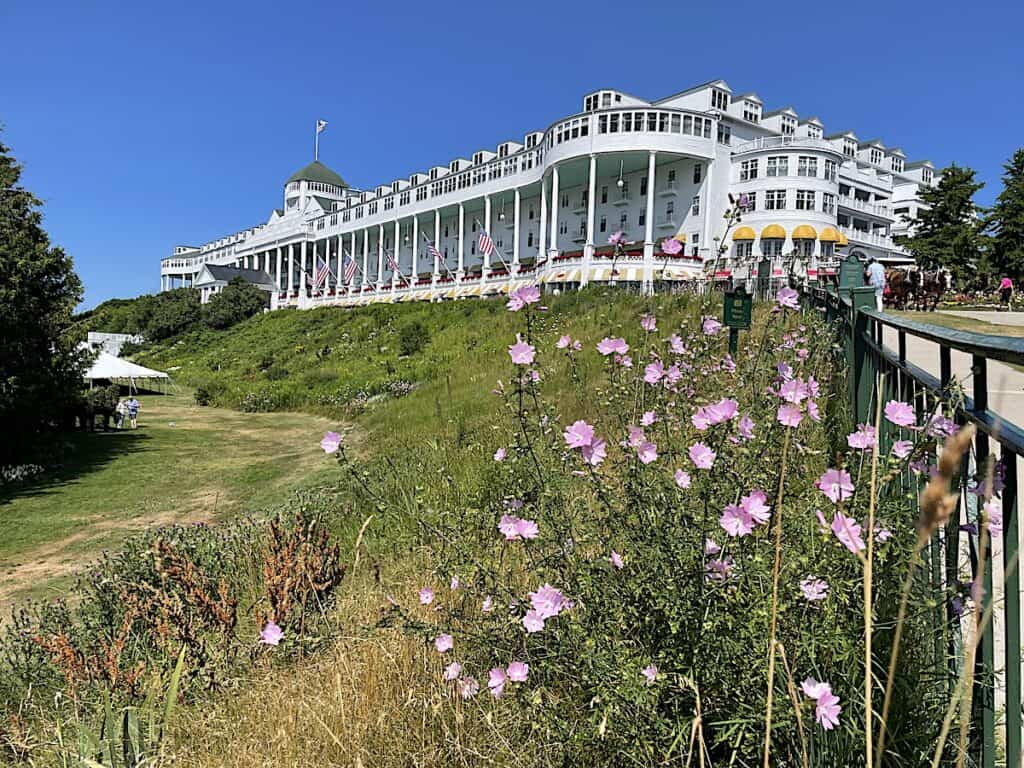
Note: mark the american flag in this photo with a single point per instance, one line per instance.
(350, 268)
(322, 270)
(485, 244)
(392, 264)
(432, 250)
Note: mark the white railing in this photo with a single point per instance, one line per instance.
(780, 142)
(871, 238)
(878, 209)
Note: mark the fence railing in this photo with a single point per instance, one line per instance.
(877, 370)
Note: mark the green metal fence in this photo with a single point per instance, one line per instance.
(878, 370)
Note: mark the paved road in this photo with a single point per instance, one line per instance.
(996, 318)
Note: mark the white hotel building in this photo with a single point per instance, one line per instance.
(550, 201)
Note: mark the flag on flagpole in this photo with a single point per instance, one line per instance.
(432, 250)
(350, 268)
(321, 272)
(392, 264)
(320, 125)
(485, 244)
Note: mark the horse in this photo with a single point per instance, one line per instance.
(931, 285)
(899, 287)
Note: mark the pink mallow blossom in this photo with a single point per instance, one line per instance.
(789, 415)
(518, 671)
(533, 622)
(579, 434)
(649, 323)
(496, 681)
(863, 439)
(746, 428)
(848, 531)
(994, 513)
(468, 687)
(654, 372)
(426, 596)
(754, 505)
(836, 484)
(548, 602)
(516, 529)
(521, 352)
(814, 589)
(899, 413)
(500, 454)
(452, 671)
(735, 521)
(595, 453)
(650, 673)
(331, 442)
(788, 298)
(521, 297)
(710, 326)
(271, 634)
(609, 346)
(827, 708)
(444, 643)
(647, 452)
(702, 456)
(682, 479)
(616, 559)
(648, 418)
(902, 448)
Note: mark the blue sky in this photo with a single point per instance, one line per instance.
(147, 125)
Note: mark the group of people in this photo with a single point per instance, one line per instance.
(127, 409)
(874, 275)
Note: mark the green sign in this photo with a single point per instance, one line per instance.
(736, 313)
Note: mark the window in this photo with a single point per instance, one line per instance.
(604, 196)
(828, 203)
(807, 166)
(474, 225)
(529, 239)
(603, 225)
(565, 199)
(748, 170)
(623, 220)
(698, 172)
(926, 175)
(771, 248)
(421, 193)
(830, 170)
(643, 186)
(777, 166)
(670, 209)
(804, 200)
(897, 164)
(403, 198)
(373, 208)
(643, 219)
(902, 211)
(625, 189)
(563, 227)
(719, 99)
(389, 203)
(694, 243)
(775, 200)
(724, 133)
(671, 176)
(751, 202)
(788, 126)
(695, 206)
(744, 249)
(805, 248)
(849, 148)
(531, 213)
(751, 112)
(675, 124)
(876, 156)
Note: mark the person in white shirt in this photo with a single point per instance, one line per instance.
(875, 274)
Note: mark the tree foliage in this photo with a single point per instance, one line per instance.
(40, 368)
(947, 230)
(238, 301)
(1006, 221)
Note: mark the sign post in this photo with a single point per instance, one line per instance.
(736, 314)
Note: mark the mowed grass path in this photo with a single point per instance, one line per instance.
(184, 464)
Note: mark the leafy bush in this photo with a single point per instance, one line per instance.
(262, 401)
(202, 396)
(412, 338)
(239, 300)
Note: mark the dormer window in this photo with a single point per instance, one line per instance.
(453, 166)
(788, 126)
(814, 131)
(849, 149)
(719, 99)
(876, 156)
(503, 150)
(606, 99)
(751, 112)
(897, 164)
(926, 175)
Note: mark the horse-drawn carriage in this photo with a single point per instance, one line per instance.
(915, 288)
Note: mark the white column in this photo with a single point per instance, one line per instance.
(515, 231)
(366, 257)
(266, 262)
(339, 270)
(380, 256)
(462, 236)
(487, 228)
(398, 251)
(414, 272)
(291, 267)
(542, 236)
(437, 241)
(588, 249)
(302, 274)
(553, 246)
(649, 228)
(277, 285)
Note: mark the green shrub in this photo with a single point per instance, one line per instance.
(413, 337)
(202, 396)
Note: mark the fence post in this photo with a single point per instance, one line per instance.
(860, 359)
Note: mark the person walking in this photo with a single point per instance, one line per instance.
(875, 274)
(133, 411)
(1005, 292)
(121, 410)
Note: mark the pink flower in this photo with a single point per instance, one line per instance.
(527, 529)
(636, 436)
(496, 681)
(710, 326)
(426, 596)
(671, 246)
(564, 341)
(902, 448)
(814, 589)
(899, 413)
(784, 371)
(454, 584)
(836, 484)
(682, 479)
(673, 374)
(700, 419)
(650, 672)
(595, 453)
(500, 454)
(516, 529)
(677, 344)
(702, 456)
(617, 237)
(648, 418)
(710, 547)
(443, 643)
(719, 569)
(789, 415)
(647, 452)
(827, 709)
(994, 513)
(654, 372)
(533, 622)
(488, 605)
(271, 634)
(722, 411)
(788, 298)
(579, 434)
(616, 559)
(468, 687)
(624, 360)
(813, 689)
(848, 531)
(793, 391)
(812, 410)
(331, 442)
(518, 671)
(754, 505)
(548, 602)
(521, 352)
(528, 294)
(649, 323)
(608, 346)
(452, 671)
(736, 521)
(746, 428)
(863, 439)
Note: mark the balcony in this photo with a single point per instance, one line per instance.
(780, 142)
(623, 200)
(670, 189)
(871, 238)
(875, 209)
(668, 222)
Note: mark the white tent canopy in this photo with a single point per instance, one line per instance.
(111, 368)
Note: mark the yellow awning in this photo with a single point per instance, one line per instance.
(843, 240)
(743, 233)
(830, 235)
(680, 236)
(805, 232)
(773, 232)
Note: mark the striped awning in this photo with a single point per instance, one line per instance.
(625, 274)
(563, 276)
(677, 273)
(470, 290)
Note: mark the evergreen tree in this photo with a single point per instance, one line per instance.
(40, 367)
(239, 299)
(1006, 222)
(947, 230)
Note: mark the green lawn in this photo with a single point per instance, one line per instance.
(184, 464)
(960, 323)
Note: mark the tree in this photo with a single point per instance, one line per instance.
(239, 300)
(1006, 222)
(947, 230)
(40, 365)
(173, 312)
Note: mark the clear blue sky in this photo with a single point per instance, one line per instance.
(145, 125)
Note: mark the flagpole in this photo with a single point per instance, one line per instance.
(496, 249)
(316, 142)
